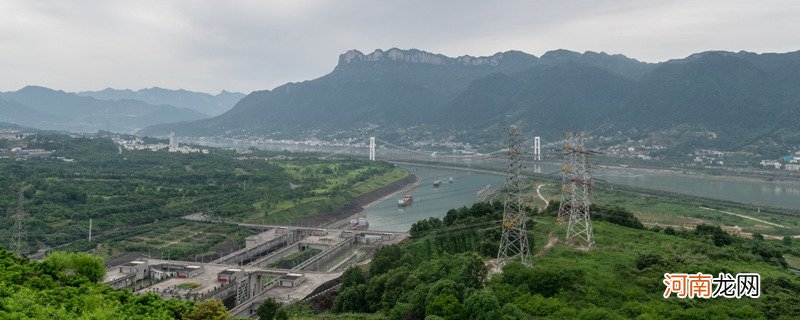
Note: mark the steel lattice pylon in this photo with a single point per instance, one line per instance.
(568, 178)
(514, 243)
(19, 238)
(576, 197)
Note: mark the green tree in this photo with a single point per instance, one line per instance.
(281, 314)
(267, 310)
(645, 260)
(211, 309)
(352, 277)
(351, 300)
(384, 259)
(481, 305)
(719, 236)
(77, 263)
(446, 306)
(475, 271)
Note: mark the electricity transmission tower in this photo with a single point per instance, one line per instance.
(568, 177)
(514, 243)
(19, 236)
(577, 191)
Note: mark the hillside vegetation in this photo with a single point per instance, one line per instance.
(442, 273)
(65, 286)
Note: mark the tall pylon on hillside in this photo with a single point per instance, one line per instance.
(568, 176)
(19, 236)
(514, 243)
(578, 191)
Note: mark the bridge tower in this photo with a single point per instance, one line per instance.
(19, 236)
(514, 243)
(576, 198)
(372, 148)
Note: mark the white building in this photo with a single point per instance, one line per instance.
(173, 141)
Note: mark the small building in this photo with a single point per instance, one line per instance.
(291, 280)
(167, 270)
(190, 271)
(137, 267)
(230, 275)
(372, 238)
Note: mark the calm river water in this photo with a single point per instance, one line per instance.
(430, 202)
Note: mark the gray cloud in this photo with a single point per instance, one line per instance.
(253, 45)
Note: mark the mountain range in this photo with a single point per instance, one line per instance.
(45, 108)
(737, 99)
(211, 105)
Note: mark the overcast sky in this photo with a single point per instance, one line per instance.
(255, 45)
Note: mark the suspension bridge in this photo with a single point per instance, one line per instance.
(382, 150)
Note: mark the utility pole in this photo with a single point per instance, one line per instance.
(576, 191)
(514, 243)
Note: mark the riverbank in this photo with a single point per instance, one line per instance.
(556, 177)
(705, 174)
(343, 215)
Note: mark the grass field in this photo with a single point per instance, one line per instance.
(686, 212)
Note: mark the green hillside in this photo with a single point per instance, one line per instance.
(65, 286)
(441, 273)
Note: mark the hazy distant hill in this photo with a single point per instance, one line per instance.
(740, 98)
(202, 102)
(45, 108)
(16, 113)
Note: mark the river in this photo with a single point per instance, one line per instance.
(385, 215)
(430, 201)
(434, 202)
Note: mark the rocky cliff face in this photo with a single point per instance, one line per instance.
(416, 56)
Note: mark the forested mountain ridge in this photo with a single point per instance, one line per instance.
(742, 98)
